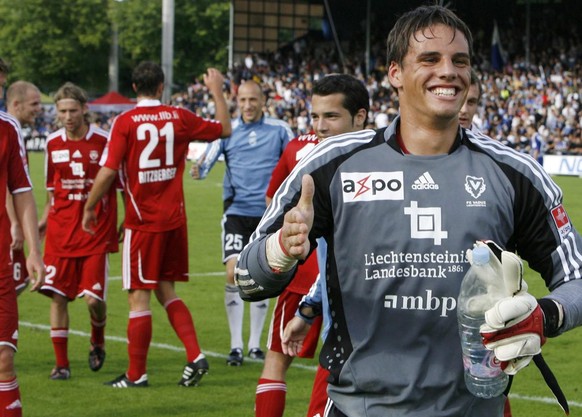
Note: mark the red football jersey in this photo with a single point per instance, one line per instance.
(148, 146)
(14, 178)
(70, 170)
(295, 150)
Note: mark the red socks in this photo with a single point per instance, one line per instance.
(181, 320)
(10, 405)
(270, 398)
(60, 338)
(98, 332)
(139, 336)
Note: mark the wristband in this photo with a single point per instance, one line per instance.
(307, 318)
(277, 257)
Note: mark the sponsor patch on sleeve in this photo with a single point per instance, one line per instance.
(561, 220)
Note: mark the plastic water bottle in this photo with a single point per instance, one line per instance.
(480, 289)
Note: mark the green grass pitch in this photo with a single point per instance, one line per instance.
(225, 391)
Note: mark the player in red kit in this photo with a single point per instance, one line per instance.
(339, 104)
(23, 103)
(76, 263)
(14, 179)
(148, 146)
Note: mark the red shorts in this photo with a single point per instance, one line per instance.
(283, 312)
(76, 277)
(8, 313)
(318, 401)
(20, 272)
(150, 257)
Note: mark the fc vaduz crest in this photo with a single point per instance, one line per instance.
(475, 186)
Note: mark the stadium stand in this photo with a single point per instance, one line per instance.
(543, 92)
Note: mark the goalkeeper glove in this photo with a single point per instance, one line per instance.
(517, 325)
(513, 327)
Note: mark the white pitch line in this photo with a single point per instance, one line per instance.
(154, 344)
(195, 274)
(545, 400)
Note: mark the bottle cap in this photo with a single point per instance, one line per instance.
(480, 255)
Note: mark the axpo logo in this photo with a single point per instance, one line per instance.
(372, 186)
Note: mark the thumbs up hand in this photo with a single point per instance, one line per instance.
(291, 242)
(294, 237)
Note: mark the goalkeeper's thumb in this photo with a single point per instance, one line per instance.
(305, 202)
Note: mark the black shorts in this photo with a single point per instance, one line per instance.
(236, 232)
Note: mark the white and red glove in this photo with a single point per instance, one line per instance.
(514, 326)
(514, 330)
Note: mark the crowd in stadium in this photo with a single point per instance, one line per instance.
(544, 93)
(523, 102)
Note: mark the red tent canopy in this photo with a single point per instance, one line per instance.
(112, 101)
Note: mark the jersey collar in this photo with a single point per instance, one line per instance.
(259, 122)
(391, 135)
(148, 102)
(87, 136)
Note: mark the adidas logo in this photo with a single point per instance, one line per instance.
(77, 154)
(425, 182)
(97, 287)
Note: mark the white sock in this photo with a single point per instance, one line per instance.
(235, 311)
(259, 311)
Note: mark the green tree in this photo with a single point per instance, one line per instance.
(49, 42)
(200, 35)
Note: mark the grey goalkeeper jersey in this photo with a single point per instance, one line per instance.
(397, 228)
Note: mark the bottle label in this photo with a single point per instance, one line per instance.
(488, 367)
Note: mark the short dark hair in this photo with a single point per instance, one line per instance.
(420, 19)
(356, 96)
(147, 77)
